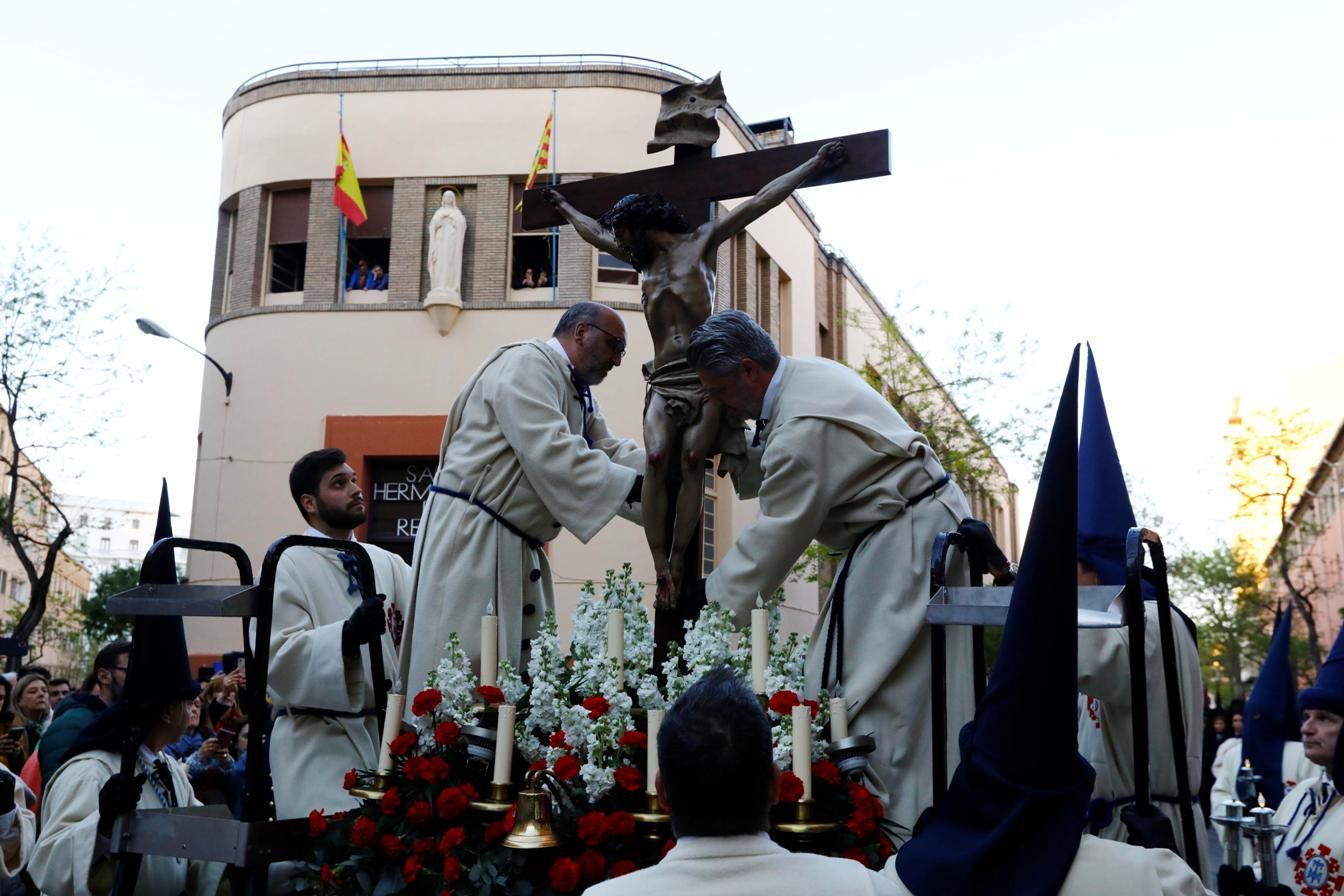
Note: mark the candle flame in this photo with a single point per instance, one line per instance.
(760, 603)
(1246, 764)
(490, 610)
(1262, 801)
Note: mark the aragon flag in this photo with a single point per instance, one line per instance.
(347, 195)
(540, 160)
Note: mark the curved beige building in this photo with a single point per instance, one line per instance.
(372, 374)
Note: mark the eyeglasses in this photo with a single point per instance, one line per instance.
(118, 668)
(617, 343)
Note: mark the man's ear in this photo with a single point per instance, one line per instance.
(309, 503)
(773, 791)
(662, 791)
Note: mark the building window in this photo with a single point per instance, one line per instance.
(370, 242)
(288, 241)
(135, 523)
(611, 269)
(533, 261)
(106, 523)
(708, 525)
(105, 545)
(135, 546)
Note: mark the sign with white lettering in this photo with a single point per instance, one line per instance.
(396, 493)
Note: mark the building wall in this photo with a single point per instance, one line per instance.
(1314, 542)
(310, 372)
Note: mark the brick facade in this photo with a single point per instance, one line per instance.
(249, 251)
(324, 245)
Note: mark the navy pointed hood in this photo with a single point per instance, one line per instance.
(1270, 717)
(1012, 819)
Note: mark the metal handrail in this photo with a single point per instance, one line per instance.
(441, 62)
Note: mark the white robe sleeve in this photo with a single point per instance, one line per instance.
(581, 487)
(67, 848)
(306, 660)
(1103, 661)
(622, 452)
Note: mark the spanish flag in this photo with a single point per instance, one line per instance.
(347, 196)
(542, 160)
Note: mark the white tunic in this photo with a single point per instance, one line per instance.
(837, 461)
(1227, 761)
(18, 829)
(1311, 852)
(514, 440)
(1105, 720)
(69, 852)
(1104, 867)
(310, 754)
(735, 866)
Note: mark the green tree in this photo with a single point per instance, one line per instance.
(1222, 589)
(100, 627)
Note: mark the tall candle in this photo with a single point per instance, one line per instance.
(655, 722)
(504, 745)
(391, 728)
(839, 719)
(616, 643)
(802, 747)
(1264, 845)
(489, 648)
(760, 646)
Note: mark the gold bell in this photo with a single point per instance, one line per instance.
(532, 827)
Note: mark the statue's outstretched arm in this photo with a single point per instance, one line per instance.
(772, 194)
(592, 232)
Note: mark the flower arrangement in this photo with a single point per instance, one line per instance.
(579, 717)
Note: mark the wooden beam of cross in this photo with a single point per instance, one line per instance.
(696, 179)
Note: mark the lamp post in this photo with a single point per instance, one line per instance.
(148, 326)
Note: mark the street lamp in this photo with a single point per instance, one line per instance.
(148, 326)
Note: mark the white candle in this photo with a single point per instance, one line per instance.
(655, 722)
(489, 648)
(504, 745)
(760, 646)
(391, 728)
(802, 747)
(616, 643)
(839, 720)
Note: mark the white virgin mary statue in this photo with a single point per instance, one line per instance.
(447, 231)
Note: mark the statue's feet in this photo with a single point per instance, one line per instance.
(665, 591)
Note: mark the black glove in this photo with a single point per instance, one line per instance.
(6, 793)
(119, 796)
(692, 596)
(364, 626)
(1148, 828)
(1235, 881)
(636, 490)
(981, 548)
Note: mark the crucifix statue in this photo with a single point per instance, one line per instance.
(673, 247)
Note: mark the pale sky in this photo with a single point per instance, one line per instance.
(1163, 179)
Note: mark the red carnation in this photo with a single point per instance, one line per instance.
(391, 846)
(566, 768)
(317, 823)
(413, 768)
(490, 694)
(447, 733)
(593, 828)
(783, 702)
(451, 840)
(884, 848)
(363, 832)
(337, 816)
(812, 705)
(351, 779)
(329, 876)
(424, 848)
(426, 701)
(667, 847)
(411, 869)
(862, 824)
(637, 739)
(420, 813)
(629, 778)
(402, 744)
(591, 865)
(597, 706)
(391, 801)
(537, 766)
(436, 770)
(622, 867)
(495, 831)
(565, 875)
(826, 771)
(452, 869)
(452, 802)
(790, 788)
(558, 741)
(620, 824)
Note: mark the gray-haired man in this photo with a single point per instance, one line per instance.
(837, 464)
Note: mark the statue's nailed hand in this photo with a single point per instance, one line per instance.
(833, 154)
(552, 196)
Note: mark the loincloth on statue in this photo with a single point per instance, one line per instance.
(684, 396)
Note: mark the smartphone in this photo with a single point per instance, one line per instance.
(225, 736)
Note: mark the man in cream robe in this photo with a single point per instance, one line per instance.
(525, 453)
(836, 463)
(71, 857)
(1295, 769)
(326, 719)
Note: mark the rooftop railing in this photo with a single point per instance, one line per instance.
(540, 60)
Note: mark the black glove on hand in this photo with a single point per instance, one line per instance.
(1236, 881)
(119, 796)
(364, 626)
(692, 596)
(6, 793)
(636, 490)
(984, 551)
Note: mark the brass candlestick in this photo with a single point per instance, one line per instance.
(373, 789)
(498, 799)
(801, 827)
(652, 812)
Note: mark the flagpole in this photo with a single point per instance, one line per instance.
(340, 264)
(555, 231)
